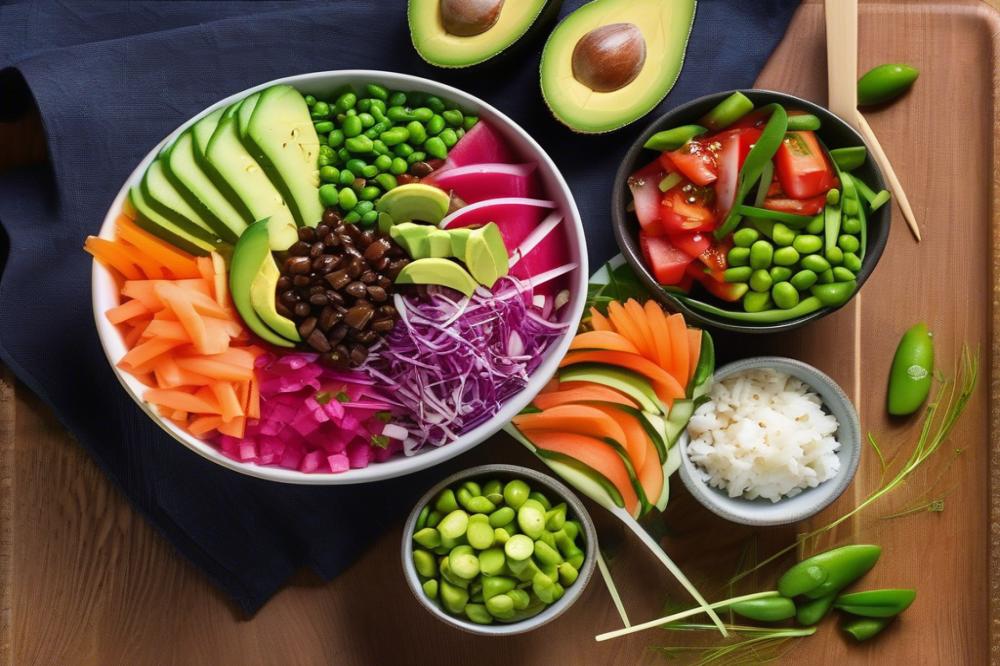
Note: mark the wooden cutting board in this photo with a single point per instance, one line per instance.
(83, 580)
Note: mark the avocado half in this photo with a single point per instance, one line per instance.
(462, 33)
(610, 62)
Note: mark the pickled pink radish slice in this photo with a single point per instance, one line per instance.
(547, 252)
(516, 216)
(481, 144)
(537, 235)
(478, 182)
(547, 278)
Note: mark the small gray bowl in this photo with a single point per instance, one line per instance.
(809, 502)
(555, 491)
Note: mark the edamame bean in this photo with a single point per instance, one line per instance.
(807, 244)
(816, 225)
(531, 518)
(358, 144)
(433, 518)
(521, 598)
(786, 256)
(737, 274)
(756, 301)
(323, 127)
(547, 554)
(834, 294)
(383, 162)
(815, 263)
(347, 198)
(399, 114)
(848, 243)
(851, 225)
(346, 101)
(803, 279)
(376, 91)
(428, 537)
(780, 273)
(436, 147)
(876, 603)
(416, 133)
(567, 574)
(761, 280)
(912, 371)
(782, 235)
(852, 262)
(515, 493)
(495, 585)
(480, 504)
(398, 166)
(492, 561)
(745, 237)
(355, 165)
(422, 518)
(395, 136)
(785, 295)
(448, 136)
(435, 125)
(424, 563)
(369, 218)
(453, 598)
(541, 499)
(761, 254)
(416, 156)
(501, 535)
(519, 547)
(477, 613)
(834, 255)
(828, 572)
(310, 101)
(329, 174)
(353, 217)
(463, 562)
(454, 524)
(430, 588)
(885, 82)
(501, 606)
(351, 126)
(502, 516)
(480, 535)
(320, 110)
(833, 197)
(453, 118)
(469, 122)
(739, 256)
(841, 274)
(851, 207)
(826, 277)
(328, 195)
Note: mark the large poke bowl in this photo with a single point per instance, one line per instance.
(268, 347)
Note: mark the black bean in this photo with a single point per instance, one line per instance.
(306, 234)
(318, 341)
(387, 311)
(384, 282)
(367, 238)
(298, 265)
(289, 297)
(381, 263)
(421, 169)
(302, 309)
(323, 229)
(377, 294)
(315, 249)
(354, 268)
(338, 279)
(377, 249)
(395, 267)
(335, 297)
(358, 354)
(331, 240)
(368, 277)
(284, 282)
(337, 333)
(307, 326)
(319, 299)
(359, 316)
(435, 163)
(328, 317)
(316, 289)
(406, 179)
(355, 289)
(299, 249)
(367, 338)
(301, 280)
(324, 264)
(283, 310)
(383, 325)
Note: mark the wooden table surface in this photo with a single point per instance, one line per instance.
(83, 580)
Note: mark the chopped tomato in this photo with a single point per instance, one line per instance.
(811, 206)
(774, 189)
(712, 281)
(646, 197)
(667, 262)
(802, 167)
(687, 208)
(693, 243)
(665, 163)
(755, 119)
(715, 257)
(697, 160)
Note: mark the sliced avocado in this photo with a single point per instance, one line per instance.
(166, 200)
(627, 382)
(262, 292)
(460, 33)
(415, 201)
(610, 62)
(443, 272)
(281, 136)
(148, 219)
(484, 253)
(196, 187)
(412, 237)
(249, 255)
(439, 244)
(234, 167)
(244, 112)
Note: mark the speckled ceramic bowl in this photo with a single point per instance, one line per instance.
(554, 490)
(788, 510)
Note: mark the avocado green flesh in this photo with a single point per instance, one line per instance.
(262, 293)
(236, 168)
(482, 250)
(147, 218)
(281, 136)
(166, 200)
(442, 272)
(250, 253)
(197, 188)
(415, 201)
(665, 26)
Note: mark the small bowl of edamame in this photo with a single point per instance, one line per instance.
(497, 550)
(751, 211)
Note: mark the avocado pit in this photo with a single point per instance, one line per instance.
(608, 58)
(467, 18)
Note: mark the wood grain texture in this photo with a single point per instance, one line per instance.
(83, 580)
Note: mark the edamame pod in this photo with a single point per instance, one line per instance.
(912, 370)
(811, 612)
(828, 572)
(876, 603)
(768, 609)
(885, 82)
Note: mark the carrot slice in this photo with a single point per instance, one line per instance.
(650, 475)
(228, 401)
(113, 256)
(576, 392)
(151, 268)
(580, 419)
(179, 399)
(147, 351)
(636, 313)
(624, 325)
(661, 333)
(125, 311)
(635, 435)
(203, 425)
(206, 269)
(179, 263)
(606, 340)
(167, 374)
(215, 369)
(132, 336)
(252, 407)
(594, 454)
(694, 350)
(171, 330)
(679, 344)
(666, 386)
(599, 321)
(143, 291)
(220, 280)
(233, 428)
(182, 304)
(240, 357)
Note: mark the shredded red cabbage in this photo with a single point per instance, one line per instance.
(452, 361)
(314, 418)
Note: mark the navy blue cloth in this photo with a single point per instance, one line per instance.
(110, 79)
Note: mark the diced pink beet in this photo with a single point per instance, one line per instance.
(515, 216)
(338, 463)
(480, 144)
(645, 187)
(359, 453)
(478, 182)
(310, 462)
(248, 451)
(291, 458)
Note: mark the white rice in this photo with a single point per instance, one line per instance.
(764, 434)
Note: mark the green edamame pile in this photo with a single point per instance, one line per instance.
(496, 551)
(375, 139)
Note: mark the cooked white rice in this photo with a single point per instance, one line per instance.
(763, 433)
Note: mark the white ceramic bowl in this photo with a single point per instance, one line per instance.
(105, 295)
(788, 510)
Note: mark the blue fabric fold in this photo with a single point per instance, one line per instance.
(110, 79)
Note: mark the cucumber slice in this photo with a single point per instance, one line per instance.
(166, 200)
(148, 219)
(627, 382)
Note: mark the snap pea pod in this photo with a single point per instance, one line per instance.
(876, 603)
(766, 175)
(803, 122)
(835, 294)
(672, 139)
(811, 612)
(831, 221)
(863, 628)
(828, 572)
(791, 219)
(912, 370)
(806, 306)
(769, 609)
(885, 82)
(727, 112)
(875, 200)
(849, 158)
(760, 155)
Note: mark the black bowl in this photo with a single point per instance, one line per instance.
(835, 133)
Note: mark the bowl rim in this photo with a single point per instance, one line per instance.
(628, 246)
(573, 592)
(112, 345)
(849, 435)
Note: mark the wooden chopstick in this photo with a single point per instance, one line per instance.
(890, 174)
